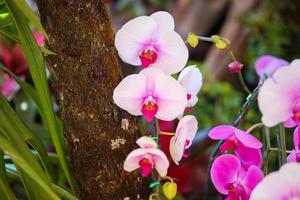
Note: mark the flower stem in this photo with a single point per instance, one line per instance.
(206, 39)
(254, 126)
(243, 83)
(281, 144)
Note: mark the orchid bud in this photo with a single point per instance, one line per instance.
(235, 67)
(220, 42)
(193, 40)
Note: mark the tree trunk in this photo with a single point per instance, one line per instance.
(84, 75)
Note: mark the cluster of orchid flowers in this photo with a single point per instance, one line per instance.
(151, 42)
(239, 176)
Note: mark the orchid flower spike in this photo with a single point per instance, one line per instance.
(295, 154)
(185, 133)
(146, 158)
(151, 93)
(191, 80)
(245, 146)
(279, 99)
(279, 185)
(151, 41)
(267, 65)
(231, 179)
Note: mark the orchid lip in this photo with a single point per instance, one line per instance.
(149, 108)
(148, 56)
(146, 166)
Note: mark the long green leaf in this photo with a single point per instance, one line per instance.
(25, 133)
(22, 6)
(4, 186)
(5, 20)
(22, 163)
(36, 64)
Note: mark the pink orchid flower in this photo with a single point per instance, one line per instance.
(151, 41)
(245, 145)
(280, 185)
(191, 80)
(185, 133)
(279, 97)
(146, 158)
(231, 179)
(151, 93)
(15, 61)
(295, 154)
(267, 65)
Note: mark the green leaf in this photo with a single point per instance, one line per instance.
(4, 186)
(36, 64)
(23, 8)
(8, 34)
(25, 133)
(5, 20)
(23, 163)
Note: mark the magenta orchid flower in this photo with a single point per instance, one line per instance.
(191, 80)
(244, 145)
(151, 41)
(267, 65)
(231, 179)
(295, 154)
(279, 97)
(151, 93)
(185, 133)
(146, 158)
(280, 185)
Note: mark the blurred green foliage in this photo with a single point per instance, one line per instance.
(274, 29)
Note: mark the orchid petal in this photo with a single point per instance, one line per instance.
(224, 171)
(292, 156)
(191, 80)
(221, 132)
(164, 21)
(176, 148)
(277, 111)
(146, 142)
(129, 94)
(289, 123)
(296, 138)
(253, 176)
(189, 125)
(130, 39)
(268, 65)
(171, 98)
(282, 184)
(161, 161)
(248, 140)
(132, 161)
(173, 53)
(249, 156)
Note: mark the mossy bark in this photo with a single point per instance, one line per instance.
(84, 75)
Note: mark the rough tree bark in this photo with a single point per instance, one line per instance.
(84, 75)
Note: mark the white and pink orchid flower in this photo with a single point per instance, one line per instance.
(146, 158)
(280, 185)
(151, 41)
(279, 97)
(151, 93)
(191, 80)
(185, 133)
